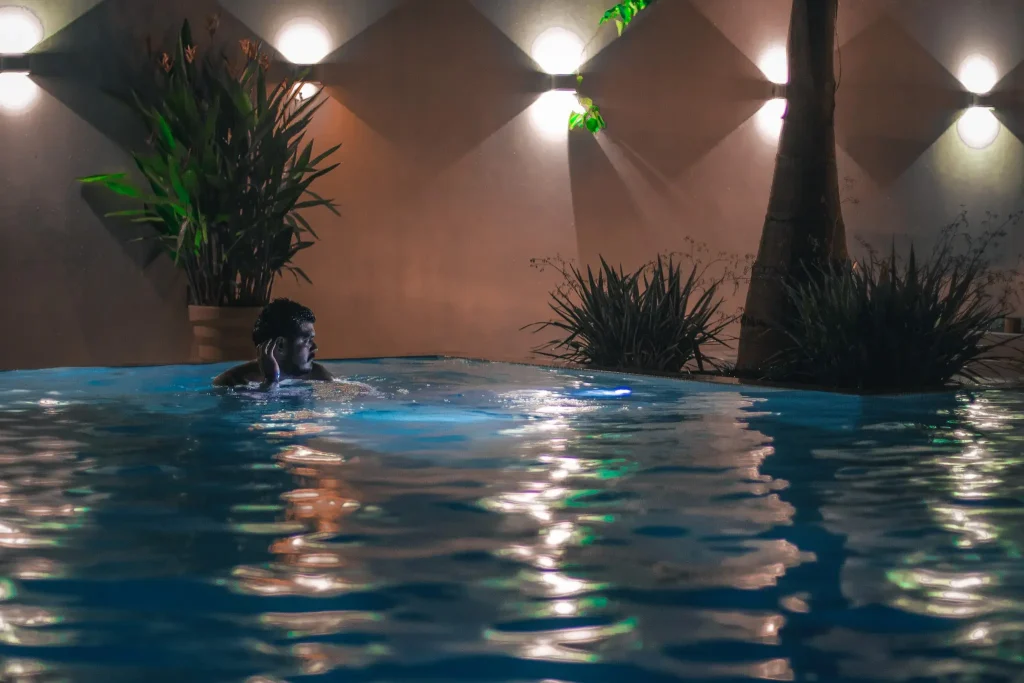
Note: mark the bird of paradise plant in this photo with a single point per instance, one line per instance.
(228, 172)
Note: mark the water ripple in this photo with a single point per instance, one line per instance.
(449, 520)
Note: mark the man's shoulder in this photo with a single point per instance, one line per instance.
(240, 374)
(320, 373)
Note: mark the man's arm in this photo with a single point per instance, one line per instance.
(239, 375)
(264, 369)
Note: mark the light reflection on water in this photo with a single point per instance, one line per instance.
(498, 523)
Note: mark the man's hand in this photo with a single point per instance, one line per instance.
(268, 363)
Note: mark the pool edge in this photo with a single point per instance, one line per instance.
(699, 378)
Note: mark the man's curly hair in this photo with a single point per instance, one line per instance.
(280, 318)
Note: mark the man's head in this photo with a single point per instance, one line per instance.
(292, 323)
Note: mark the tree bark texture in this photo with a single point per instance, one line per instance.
(803, 229)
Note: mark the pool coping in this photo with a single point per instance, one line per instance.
(753, 383)
(705, 377)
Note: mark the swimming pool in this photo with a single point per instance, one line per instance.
(484, 522)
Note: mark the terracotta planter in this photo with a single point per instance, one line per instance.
(222, 334)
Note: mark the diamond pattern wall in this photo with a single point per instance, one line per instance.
(447, 187)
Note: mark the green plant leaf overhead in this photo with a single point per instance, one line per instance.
(590, 118)
(624, 12)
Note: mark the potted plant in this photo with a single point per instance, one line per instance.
(225, 180)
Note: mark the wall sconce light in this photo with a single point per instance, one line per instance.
(550, 113)
(768, 118)
(978, 127)
(563, 82)
(774, 64)
(304, 90)
(559, 52)
(20, 31)
(17, 92)
(307, 80)
(303, 41)
(978, 74)
(16, 63)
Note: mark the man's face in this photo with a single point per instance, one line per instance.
(297, 353)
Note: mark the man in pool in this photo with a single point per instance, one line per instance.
(285, 348)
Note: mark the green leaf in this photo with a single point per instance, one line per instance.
(623, 13)
(102, 178)
(176, 184)
(315, 162)
(327, 203)
(165, 131)
(123, 189)
(126, 213)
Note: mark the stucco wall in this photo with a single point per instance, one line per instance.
(448, 187)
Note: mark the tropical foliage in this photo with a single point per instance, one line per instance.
(657, 318)
(624, 12)
(228, 171)
(590, 115)
(893, 324)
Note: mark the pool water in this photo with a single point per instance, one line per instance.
(482, 522)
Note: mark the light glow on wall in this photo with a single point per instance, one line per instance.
(978, 74)
(304, 91)
(978, 127)
(20, 30)
(17, 92)
(550, 113)
(768, 119)
(558, 51)
(774, 64)
(303, 41)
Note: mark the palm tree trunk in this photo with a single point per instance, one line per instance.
(804, 225)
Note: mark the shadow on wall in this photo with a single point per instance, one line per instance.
(136, 240)
(603, 206)
(439, 188)
(702, 89)
(102, 299)
(341, 20)
(894, 101)
(469, 81)
(629, 207)
(92, 64)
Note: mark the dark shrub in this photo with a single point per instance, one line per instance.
(889, 324)
(654, 319)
